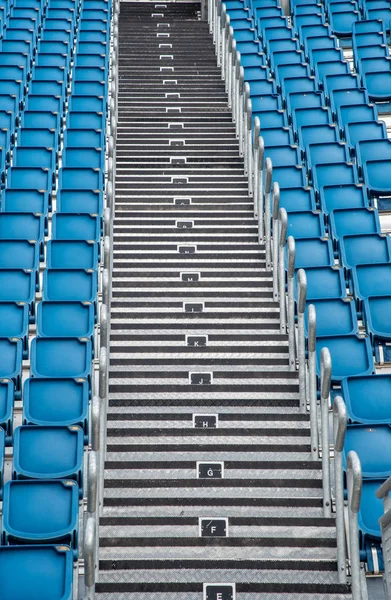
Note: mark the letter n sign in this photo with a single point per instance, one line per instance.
(219, 591)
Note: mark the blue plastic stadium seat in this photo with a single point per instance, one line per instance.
(332, 83)
(334, 197)
(368, 398)
(86, 104)
(291, 71)
(326, 153)
(14, 322)
(277, 136)
(381, 13)
(80, 201)
(334, 173)
(311, 134)
(342, 22)
(72, 254)
(334, 316)
(350, 355)
(64, 35)
(80, 178)
(65, 319)
(297, 199)
(314, 252)
(19, 254)
(15, 225)
(372, 150)
(376, 176)
(247, 61)
(17, 285)
(371, 280)
(11, 351)
(87, 138)
(305, 225)
(41, 119)
(267, 102)
(369, 130)
(37, 201)
(300, 85)
(325, 69)
(47, 572)
(33, 137)
(93, 158)
(286, 57)
(311, 116)
(347, 97)
(47, 357)
(43, 87)
(262, 87)
(367, 441)
(376, 316)
(283, 155)
(56, 402)
(270, 118)
(62, 459)
(68, 226)
(353, 221)
(281, 45)
(322, 41)
(304, 99)
(356, 113)
(325, 55)
(70, 285)
(41, 512)
(6, 417)
(34, 156)
(41, 102)
(29, 178)
(364, 249)
(378, 85)
(367, 26)
(363, 52)
(293, 176)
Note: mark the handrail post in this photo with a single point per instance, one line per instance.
(325, 381)
(354, 485)
(241, 110)
(267, 209)
(257, 129)
(103, 386)
(276, 209)
(340, 420)
(225, 33)
(385, 523)
(229, 66)
(237, 92)
(233, 80)
(312, 389)
(259, 172)
(246, 97)
(224, 17)
(301, 304)
(291, 302)
(90, 557)
(283, 226)
(249, 152)
(218, 31)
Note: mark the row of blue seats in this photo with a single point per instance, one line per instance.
(359, 244)
(65, 97)
(346, 258)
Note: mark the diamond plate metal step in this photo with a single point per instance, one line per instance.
(199, 374)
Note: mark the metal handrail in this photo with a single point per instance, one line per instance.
(282, 231)
(301, 304)
(354, 485)
(275, 231)
(312, 388)
(291, 301)
(340, 419)
(325, 382)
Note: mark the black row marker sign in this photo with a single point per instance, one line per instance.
(190, 276)
(205, 421)
(213, 527)
(200, 378)
(196, 341)
(219, 591)
(210, 470)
